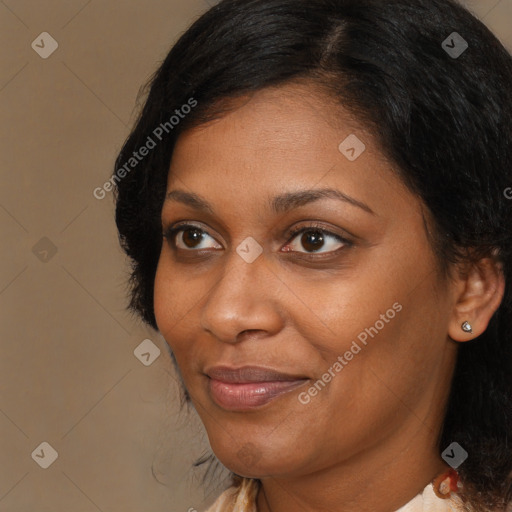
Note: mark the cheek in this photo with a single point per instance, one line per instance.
(171, 304)
(177, 300)
(174, 293)
(387, 326)
(335, 311)
(402, 341)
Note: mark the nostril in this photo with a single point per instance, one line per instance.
(249, 333)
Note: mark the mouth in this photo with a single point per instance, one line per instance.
(249, 387)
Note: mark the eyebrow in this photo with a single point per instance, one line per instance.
(279, 204)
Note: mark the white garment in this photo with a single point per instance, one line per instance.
(427, 501)
(243, 499)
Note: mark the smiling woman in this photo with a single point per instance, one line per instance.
(325, 244)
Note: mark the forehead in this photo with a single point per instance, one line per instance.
(277, 140)
(287, 119)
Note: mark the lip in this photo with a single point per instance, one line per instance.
(249, 387)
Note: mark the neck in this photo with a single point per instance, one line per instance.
(369, 482)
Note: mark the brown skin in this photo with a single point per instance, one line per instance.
(367, 442)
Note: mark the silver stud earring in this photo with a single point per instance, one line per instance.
(466, 327)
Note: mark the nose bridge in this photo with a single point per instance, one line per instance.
(241, 299)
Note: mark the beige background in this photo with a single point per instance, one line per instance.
(68, 373)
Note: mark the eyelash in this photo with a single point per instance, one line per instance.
(170, 234)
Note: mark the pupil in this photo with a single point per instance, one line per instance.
(192, 236)
(312, 240)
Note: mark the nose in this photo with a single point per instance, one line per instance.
(244, 298)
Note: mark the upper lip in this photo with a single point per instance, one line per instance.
(247, 374)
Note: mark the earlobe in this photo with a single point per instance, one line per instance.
(480, 294)
(464, 331)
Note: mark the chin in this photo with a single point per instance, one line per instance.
(252, 462)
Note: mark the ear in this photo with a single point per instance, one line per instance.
(479, 292)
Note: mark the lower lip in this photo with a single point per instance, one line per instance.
(249, 395)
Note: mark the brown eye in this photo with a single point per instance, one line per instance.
(191, 237)
(312, 240)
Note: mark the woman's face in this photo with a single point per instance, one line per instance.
(351, 310)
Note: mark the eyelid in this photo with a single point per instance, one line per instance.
(315, 225)
(168, 230)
